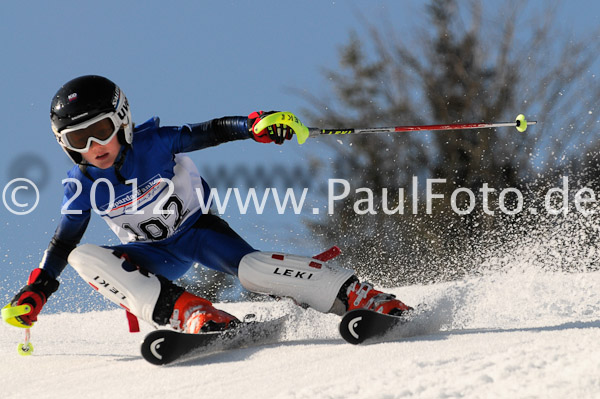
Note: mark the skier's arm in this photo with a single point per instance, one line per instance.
(65, 239)
(42, 280)
(75, 216)
(214, 132)
(221, 130)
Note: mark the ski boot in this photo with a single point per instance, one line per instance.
(193, 315)
(364, 296)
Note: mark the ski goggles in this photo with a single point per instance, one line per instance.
(100, 129)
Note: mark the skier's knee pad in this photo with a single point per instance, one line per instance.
(116, 279)
(306, 280)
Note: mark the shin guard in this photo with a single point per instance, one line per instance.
(117, 280)
(306, 280)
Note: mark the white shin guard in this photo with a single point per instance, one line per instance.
(306, 280)
(104, 271)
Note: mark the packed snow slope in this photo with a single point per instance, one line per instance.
(515, 334)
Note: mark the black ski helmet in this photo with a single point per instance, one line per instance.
(86, 97)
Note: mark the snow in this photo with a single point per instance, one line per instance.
(515, 334)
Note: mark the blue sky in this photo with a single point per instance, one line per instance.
(185, 61)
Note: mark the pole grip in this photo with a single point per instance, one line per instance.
(10, 312)
(284, 118)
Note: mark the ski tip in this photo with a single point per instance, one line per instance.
(360, 325)
(152, 352)
(353, 327)
(155, 348)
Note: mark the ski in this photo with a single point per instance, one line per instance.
(167, 346)
(359, 325)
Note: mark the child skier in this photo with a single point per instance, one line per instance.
(147, 192)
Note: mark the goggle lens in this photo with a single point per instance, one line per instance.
(80, 139)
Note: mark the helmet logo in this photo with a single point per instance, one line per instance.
(116, 94)
(79, 116)
(122, 113)
(72, 97)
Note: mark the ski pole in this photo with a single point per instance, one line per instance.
(303, 132)
(26, 347)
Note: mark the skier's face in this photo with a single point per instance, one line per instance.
(103, 156)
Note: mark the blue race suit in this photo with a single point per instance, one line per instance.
(154, 199)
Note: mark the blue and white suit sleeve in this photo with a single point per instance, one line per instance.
(197, 136)
(73, 223)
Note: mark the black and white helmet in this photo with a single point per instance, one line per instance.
(82, 104)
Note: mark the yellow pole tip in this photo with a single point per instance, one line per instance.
(521, 123)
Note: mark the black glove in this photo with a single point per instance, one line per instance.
(40, 286)
(277, 133)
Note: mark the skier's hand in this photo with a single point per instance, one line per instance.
(277, 133)
(40, 286)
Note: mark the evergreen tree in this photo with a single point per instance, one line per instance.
(463, 65)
